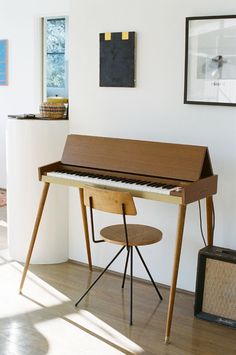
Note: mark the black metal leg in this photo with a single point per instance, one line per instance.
(126, 264)
(146, 268)
(99, 276)
(131, 286)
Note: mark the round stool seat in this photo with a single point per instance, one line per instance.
(138, 234)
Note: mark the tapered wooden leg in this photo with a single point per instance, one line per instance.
(35, 231)
(209, 213)
(85, 224)
(179, 238)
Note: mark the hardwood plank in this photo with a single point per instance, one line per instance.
(107, 303)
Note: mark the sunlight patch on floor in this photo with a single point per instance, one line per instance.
(47, 316)
(12, 303)
(97, 326)
(39, 290)
(84, 334)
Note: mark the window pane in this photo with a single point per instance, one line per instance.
(56, 36)
(55, 74)
(55, 70)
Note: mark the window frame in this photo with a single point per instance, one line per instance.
(63, 92)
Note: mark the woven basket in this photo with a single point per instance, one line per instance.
(52, 110)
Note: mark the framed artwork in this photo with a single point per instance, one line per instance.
(117, 52)
(3, 61)
(210, 60)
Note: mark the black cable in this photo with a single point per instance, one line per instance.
(200, 220)
(213, 215)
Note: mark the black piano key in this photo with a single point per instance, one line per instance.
(107, 177)
(150, 184)
(168, 187)
(143, 183)
(78, 173)
(154, 184)
(124, 180)
(130, 181)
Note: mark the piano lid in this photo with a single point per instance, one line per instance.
(167, 160)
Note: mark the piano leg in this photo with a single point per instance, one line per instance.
(34, 234)
(209, 211)
(85, 224)
(178, 245)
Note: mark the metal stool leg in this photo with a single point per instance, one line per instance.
(131, 286)
(99, 276)
(126, 264)
(146, 268)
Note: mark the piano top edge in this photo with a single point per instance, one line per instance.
(86, 136)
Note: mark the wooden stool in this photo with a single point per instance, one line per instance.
(127, 235)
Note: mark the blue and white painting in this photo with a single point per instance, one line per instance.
(3, 62)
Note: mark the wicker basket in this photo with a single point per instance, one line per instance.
(52, 110)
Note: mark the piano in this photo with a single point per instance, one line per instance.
(166, 172)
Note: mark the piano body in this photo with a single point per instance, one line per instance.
(166, 172)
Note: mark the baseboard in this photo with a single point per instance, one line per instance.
(138, 279)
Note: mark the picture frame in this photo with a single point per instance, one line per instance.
(3, 62)
(117, 59)
(210, 60)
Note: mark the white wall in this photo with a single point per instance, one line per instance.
(20, 24)
(154, 110)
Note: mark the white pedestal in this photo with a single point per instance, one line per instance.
(30, 144)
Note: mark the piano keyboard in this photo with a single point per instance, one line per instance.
(116, 182)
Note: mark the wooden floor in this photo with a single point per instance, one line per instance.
(44, 320)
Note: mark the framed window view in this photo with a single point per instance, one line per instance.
(55, 56)
(210, 60)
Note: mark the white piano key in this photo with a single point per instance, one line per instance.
(112, 183)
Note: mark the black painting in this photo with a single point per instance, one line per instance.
(117, 60)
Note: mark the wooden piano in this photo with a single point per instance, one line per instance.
(173, 173)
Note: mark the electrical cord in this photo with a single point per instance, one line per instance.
(213, 215)
(200, 221)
